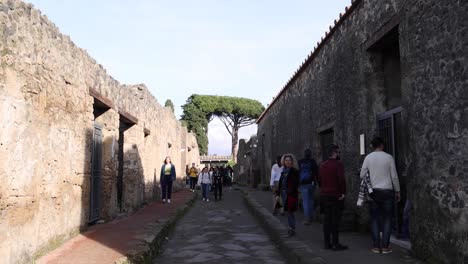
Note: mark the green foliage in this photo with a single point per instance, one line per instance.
(169, 104)
(235, 112)
(232, 163)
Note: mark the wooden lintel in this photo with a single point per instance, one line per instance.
(101, 98)
(128, 118)
(381, 32)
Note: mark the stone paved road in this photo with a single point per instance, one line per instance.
(219, 232)
(359, 243)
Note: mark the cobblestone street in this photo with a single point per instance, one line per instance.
(219, 232)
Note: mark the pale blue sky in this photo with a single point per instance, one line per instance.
(244, 48)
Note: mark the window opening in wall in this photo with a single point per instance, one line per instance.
(386, 52)
(147, 132)
(326, 139)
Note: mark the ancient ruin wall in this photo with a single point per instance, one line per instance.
(341, 88)
(46, 133)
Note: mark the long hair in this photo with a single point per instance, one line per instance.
(165, 160)
(294, 161)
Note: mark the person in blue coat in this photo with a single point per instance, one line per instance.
(168, 175)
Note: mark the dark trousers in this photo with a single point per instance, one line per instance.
(332, 209)
(218, 190)
(193, 182)
(166, 187)
(381, 212)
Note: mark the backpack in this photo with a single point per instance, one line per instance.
(306, 168)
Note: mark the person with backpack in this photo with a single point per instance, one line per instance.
(204, 180)
(288, 186)
(385, 191)
(308, 177)
(218, 183)
(167, 176)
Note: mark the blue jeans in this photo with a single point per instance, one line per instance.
(291, 220)
(283, 197)
(307, 191)
(205, 187)
(381, 211)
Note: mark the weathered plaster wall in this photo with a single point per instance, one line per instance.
(342, 88)
(46, 133)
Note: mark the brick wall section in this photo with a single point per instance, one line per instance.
(46, 136)
(341, 88)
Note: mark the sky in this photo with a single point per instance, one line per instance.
(244, 48)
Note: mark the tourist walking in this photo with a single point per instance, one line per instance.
(168, 175)
(204, 180)
(308, 170)
(385, 190)
(210, 186)
(193, 174)
(332, 193)
(218, 183)
(289, 184)
(275, 176)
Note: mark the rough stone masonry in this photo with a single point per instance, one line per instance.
(75, 145)
(398, 69)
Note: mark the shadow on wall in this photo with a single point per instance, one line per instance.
(100, 199)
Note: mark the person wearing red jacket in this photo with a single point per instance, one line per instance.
(332, 185)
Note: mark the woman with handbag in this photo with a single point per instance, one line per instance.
(289, 188)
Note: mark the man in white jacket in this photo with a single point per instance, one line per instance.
(385, 190)
(276, 170)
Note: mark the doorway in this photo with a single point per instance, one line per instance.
(391, 130)
(326, 139)
(96, 174)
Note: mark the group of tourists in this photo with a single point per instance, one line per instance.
(379, 189)
(210, 180)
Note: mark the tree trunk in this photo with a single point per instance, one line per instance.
(235, 142)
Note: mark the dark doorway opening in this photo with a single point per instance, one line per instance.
(124, 124)
(96, 175)
(386, 53)
(390, 128)
(326, 139)
(95, 186)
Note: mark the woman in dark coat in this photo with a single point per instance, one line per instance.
(289, 185)
(168, 175)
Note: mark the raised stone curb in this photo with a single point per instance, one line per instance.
(295, 250)
(151, 239)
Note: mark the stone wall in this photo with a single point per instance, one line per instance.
(341, 86)
(52, 93)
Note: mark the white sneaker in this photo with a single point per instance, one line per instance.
(203, 199)
(168, 200)
(164, 200)
(207, 200)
